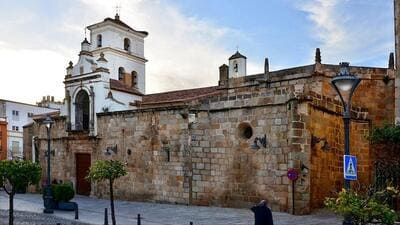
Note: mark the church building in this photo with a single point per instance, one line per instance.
(231, 144)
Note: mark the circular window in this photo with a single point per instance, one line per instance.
(245, 130)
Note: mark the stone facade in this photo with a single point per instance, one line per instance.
(206, 146)
(195, 146)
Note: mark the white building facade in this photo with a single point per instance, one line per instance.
(17, 115)
(109, 75)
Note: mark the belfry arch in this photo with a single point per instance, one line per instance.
(82, 110)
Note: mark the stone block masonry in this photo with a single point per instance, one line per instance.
(201, 149)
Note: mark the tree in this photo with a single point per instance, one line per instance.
(17, 174)
(108, 170)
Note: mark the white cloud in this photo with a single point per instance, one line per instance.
(348, 36)
(183, 51)
(29, 74)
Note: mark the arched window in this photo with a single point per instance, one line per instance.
(134, 79)
(99, 41)
(127, 44)
(82, 111)
(121, 72)
(235, 66)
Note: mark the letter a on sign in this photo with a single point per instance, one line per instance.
(350, 167)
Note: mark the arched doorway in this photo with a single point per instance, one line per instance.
(82, 111)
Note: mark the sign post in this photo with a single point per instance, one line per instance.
(350, 167)
(293, 175)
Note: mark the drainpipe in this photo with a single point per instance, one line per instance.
(92, 117)
(33, 149)
(68, 98)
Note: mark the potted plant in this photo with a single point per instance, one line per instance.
(63, 193)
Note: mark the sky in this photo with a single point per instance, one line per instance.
(189, 39)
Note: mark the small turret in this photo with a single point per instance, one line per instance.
(69, 68)
(102, 62)
(391, 61)
(237, 65)
(85, 45)
(266, 66)
(317, 55)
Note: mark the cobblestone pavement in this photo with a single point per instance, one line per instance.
(91, 210)
(28, 218)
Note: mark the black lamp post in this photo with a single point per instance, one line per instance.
(48, 197)
(345, 84)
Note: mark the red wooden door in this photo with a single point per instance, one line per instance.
(82, 170)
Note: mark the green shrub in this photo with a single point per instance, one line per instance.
(63, 192)
(386, 134)
(363, 209)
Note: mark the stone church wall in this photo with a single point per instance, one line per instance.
(153, 145)
(327, 146)
(210, 160)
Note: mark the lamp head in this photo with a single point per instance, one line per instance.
(48, 122)
(345, 83)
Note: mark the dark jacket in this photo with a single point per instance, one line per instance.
(262, 215)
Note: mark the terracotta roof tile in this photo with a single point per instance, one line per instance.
(180, 96)
(120, 86)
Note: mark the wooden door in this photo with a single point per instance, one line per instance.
(82, 170)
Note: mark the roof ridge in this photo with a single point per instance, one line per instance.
(182, 90)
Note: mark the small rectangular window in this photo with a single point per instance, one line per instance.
(15, 115)
(15, 128)
(30, 114)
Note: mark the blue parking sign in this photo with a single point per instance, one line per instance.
(350, 167)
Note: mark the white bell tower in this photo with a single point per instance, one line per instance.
(237, 65)
(109, 75)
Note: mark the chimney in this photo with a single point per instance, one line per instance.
(223, 75)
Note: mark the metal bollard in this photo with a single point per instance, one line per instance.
(58, 224)
(76, 211)
(138, 220)
(191, 223)
(105, 216)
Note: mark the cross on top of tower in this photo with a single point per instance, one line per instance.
(117, 11)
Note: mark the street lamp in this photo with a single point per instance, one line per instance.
(48, 200)
(345, 84)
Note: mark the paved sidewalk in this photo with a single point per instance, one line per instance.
(29, 218)
(91, 210)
